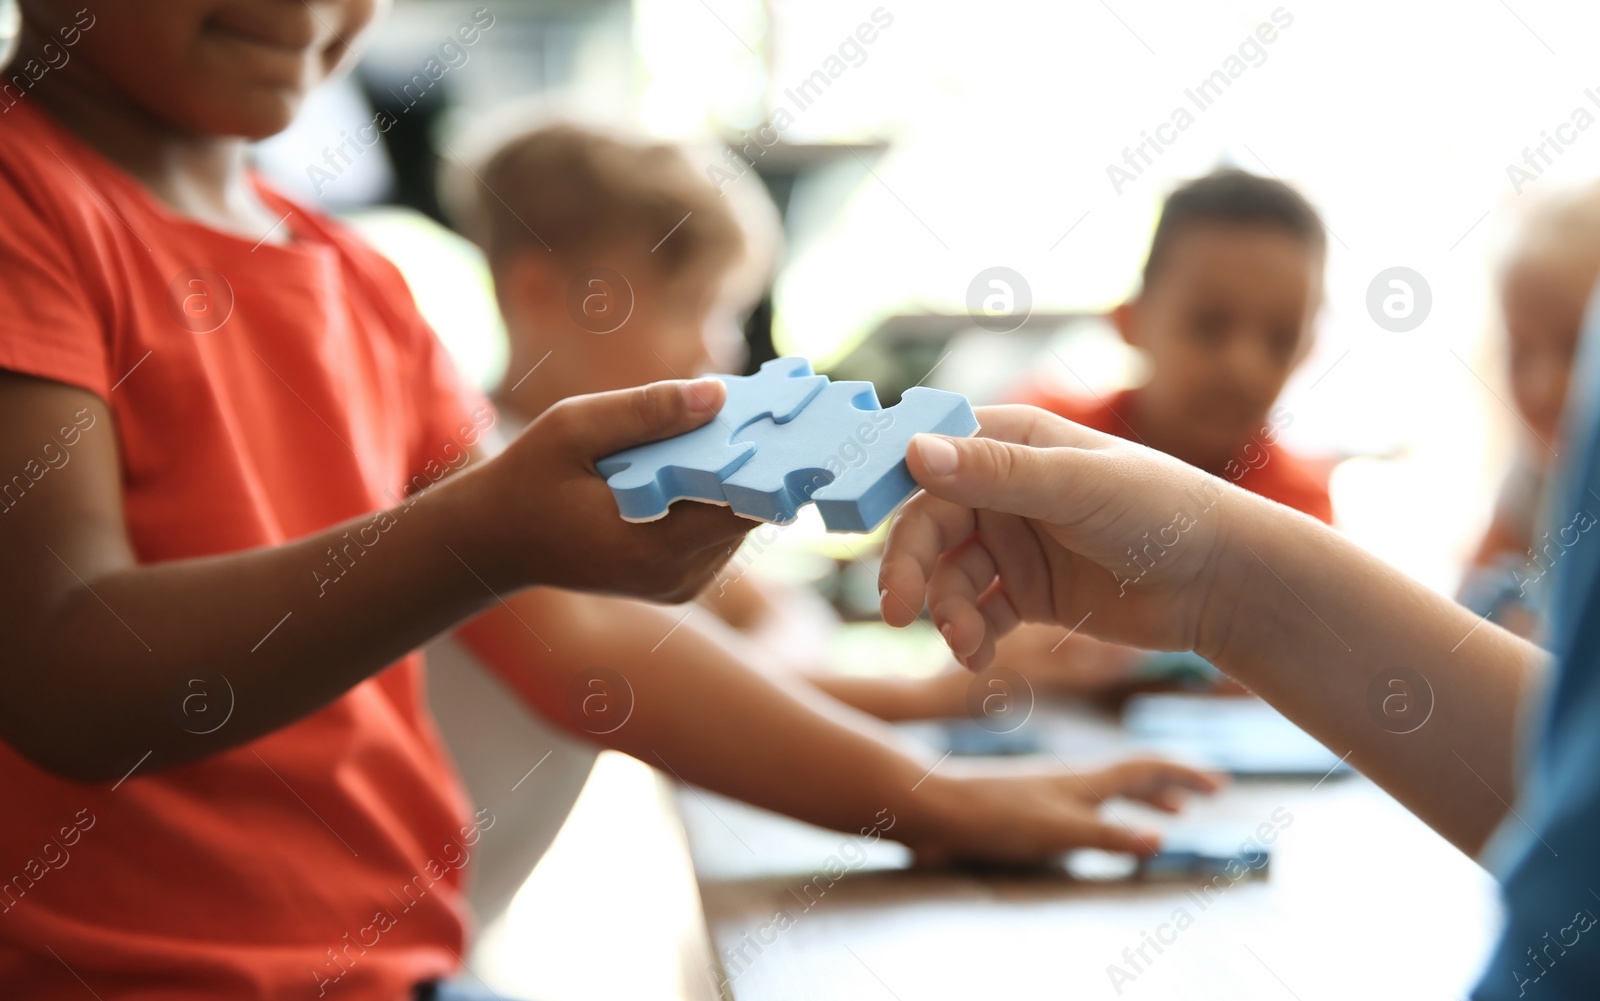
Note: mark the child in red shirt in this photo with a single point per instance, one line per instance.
(225, 434)
(1232, 284)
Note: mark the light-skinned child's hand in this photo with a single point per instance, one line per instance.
(1043, 520)
(995, 811)
(557, 522)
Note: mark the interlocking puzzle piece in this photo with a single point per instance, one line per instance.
(843, 452)
(648, 478)
(828, 443)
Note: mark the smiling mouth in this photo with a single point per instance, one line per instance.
(287, 39)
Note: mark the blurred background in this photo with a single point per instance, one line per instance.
(969, 136)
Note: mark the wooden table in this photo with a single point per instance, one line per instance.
(1361, 901)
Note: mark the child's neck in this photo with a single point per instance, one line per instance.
(1153, 430)
(199, 176)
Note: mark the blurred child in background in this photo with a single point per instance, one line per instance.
(1545, 283)
(1225, 313)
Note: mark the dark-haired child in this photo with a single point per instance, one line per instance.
(1224, 314)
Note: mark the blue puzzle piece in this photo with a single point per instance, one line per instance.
(648, 478)
(786, 438)
(842, 452)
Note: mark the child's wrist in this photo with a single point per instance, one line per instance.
(1248, 543)
(925, 806)
(463, 509)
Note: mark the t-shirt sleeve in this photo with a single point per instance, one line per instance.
(49, 327)
(449, 416)
(453, 416)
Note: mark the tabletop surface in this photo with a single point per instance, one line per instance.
(1360, 900)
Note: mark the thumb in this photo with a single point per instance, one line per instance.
(598, 424)
(986, 474)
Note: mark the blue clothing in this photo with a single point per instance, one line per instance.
(1548, 861)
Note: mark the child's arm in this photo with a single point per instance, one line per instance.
(101, 647)
(691, 704)
(1042, 530)
(937, 696)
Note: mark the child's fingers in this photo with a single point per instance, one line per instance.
(1022, 568)
(958, 580)
(923, 531)
(1000, 615)
(598, 424)
(1151, 780)
(969, 605)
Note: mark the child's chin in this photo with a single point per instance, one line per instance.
(264, 113)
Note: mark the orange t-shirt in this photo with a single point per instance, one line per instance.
(1262, 466)
(258, 394)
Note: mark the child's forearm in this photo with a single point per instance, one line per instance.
(112, 659)
(936, 697)
(694, 707)
(1423, 695)
(157, 665)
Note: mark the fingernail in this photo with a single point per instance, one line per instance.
(698, 395)
(938, 455)
(945, 631)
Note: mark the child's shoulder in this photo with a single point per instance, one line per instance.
(42, 173)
